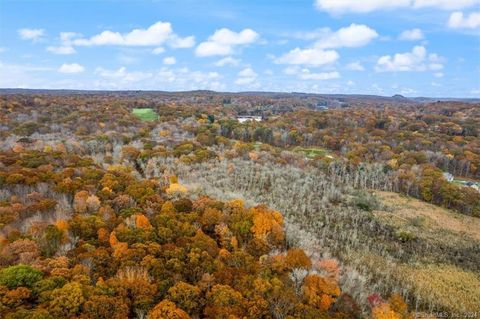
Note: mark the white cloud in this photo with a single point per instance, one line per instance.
(246, 77)
(213, 48)
(445, 4)
(24, 75)
(224, 41)
(170, 60)
(291, 70)
(182, 43)
(31, 34)
(247, 72)
(227, 61)
(157, 34)
(158, 50)
(64, 50)
(458, 21)
(355, 66)
(71, 68)
(244, 81)
(66, 46)
(365, 6)
(355, 35)
(311, 56)
(416, 60)
(122, 75)
(306, 74)
(411, 35)
(66, 37)
(167, 78)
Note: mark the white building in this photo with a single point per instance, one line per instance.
(449, 177)
(245, 118)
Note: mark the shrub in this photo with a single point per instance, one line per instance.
(19, 276)
(366, 201)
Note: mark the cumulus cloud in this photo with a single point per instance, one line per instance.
(170, 60)
(246, 77)
(227, 61)
(411, 35)
(355, 66)
(310, 56)
(445, 4)
(417, 60)
(306, 74)
(66, 44)
(366, 6)
(31, 34)
(355, 35)
(71, 68)
(224, 41)
(157, 34)
(182, 43)
(458, 21)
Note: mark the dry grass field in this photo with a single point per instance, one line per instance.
(448, 283)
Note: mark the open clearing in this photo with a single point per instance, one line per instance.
(145, 114)
(446, 282)
(312, 152)
(407, 211)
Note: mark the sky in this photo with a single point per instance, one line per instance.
(382, 47)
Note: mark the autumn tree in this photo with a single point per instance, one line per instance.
(167, 310)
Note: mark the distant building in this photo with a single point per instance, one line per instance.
(449, 177)
(245, 118)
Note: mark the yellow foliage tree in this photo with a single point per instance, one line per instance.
(320, 292)
(268, 224)
(176, 188)
(167, 310)
(296, 258)
(383, 311)
(141, 221)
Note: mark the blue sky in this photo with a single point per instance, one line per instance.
(384, 47)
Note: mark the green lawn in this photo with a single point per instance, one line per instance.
(311, 152)
(145, 114)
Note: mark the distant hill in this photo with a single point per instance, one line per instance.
(334, 97)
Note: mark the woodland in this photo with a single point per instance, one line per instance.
(157, 205)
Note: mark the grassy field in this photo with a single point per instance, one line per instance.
(311, 152)
(145, 114)
(447, 272)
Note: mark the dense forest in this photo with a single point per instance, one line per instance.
(185, 212)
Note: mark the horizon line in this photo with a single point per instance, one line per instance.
(244, 92)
